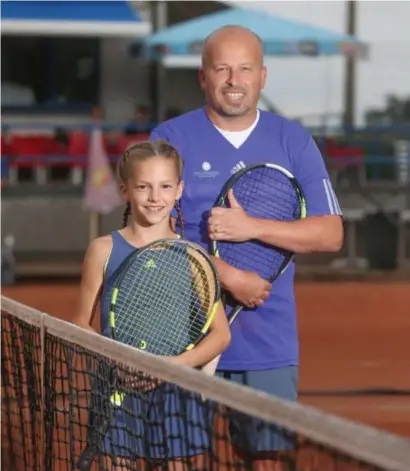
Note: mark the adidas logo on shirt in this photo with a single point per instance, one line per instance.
(240, 165)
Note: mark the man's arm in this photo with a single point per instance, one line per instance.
(321, 231)
(313, 234)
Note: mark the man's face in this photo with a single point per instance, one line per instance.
(233, 75)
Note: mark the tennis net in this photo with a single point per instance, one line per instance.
(57, 381)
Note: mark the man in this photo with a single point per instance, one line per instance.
(227, 134)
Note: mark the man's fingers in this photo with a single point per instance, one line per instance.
(216, 212)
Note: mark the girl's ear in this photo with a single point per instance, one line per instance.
(124, 192)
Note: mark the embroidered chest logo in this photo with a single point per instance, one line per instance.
(206, 171)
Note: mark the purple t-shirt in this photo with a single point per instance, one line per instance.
(265, 337)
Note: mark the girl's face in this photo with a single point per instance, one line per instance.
(152, 189)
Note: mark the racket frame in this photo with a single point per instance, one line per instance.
(229, 184)
(171, 243)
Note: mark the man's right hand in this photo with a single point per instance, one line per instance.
(248, 288)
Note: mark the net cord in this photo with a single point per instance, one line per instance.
(362, 442)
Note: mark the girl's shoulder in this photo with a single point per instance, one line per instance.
(99, 249)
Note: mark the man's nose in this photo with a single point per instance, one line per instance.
(233, 78)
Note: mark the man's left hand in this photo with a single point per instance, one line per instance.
(230, 224)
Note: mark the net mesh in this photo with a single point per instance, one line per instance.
(57, 386)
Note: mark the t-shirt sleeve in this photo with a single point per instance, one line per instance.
(310, 171)
(157, 135)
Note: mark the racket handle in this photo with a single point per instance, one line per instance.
(100, 428)
(86, 458)
(210, 368)
(234, 314)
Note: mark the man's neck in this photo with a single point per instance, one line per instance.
(234, 123)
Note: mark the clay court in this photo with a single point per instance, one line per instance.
(353, 335)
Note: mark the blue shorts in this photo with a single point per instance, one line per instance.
(255, 435)
(167, 423)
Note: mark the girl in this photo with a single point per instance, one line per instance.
(173, 427)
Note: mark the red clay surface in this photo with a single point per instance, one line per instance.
(353, 335)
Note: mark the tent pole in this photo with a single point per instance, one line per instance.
(350, 69)
(157, 73)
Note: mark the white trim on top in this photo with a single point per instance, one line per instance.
(75, 28)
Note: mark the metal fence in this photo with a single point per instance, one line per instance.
(43, 179)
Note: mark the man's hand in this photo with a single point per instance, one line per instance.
(230, 224)
(249, 288)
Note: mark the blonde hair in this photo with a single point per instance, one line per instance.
(143, 151)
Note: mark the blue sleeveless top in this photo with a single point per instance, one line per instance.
(119, 252)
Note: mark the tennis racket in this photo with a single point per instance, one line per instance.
(164, 298)
(265, 191)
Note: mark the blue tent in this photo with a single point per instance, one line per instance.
(72, 18)
(281, 37)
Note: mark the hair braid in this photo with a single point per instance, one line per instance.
(180, 218)
(127, 212)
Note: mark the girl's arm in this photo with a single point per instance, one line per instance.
(217, 340)
(91, 281)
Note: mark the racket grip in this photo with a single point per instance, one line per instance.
(210, 368)
(86, 459)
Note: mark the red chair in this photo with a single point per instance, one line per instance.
(342, 157)
(78, 149)
(28, 151)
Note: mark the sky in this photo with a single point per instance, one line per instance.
(311, 87)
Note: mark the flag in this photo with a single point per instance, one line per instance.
(101, 190)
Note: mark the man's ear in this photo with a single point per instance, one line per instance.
(201, 78)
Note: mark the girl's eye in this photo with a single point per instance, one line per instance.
(167, 186)
(141, 187)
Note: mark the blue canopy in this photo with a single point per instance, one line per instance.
(73, 18)
(280, 37)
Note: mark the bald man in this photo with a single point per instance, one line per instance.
(215, 141)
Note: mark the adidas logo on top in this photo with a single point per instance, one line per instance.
(240, 165)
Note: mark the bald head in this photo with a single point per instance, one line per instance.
(232, 76)
(232, 34)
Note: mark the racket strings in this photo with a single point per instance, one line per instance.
(161, 285)
(269, 194)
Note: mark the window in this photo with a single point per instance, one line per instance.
(49, 72)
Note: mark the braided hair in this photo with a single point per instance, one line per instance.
(143, 151)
